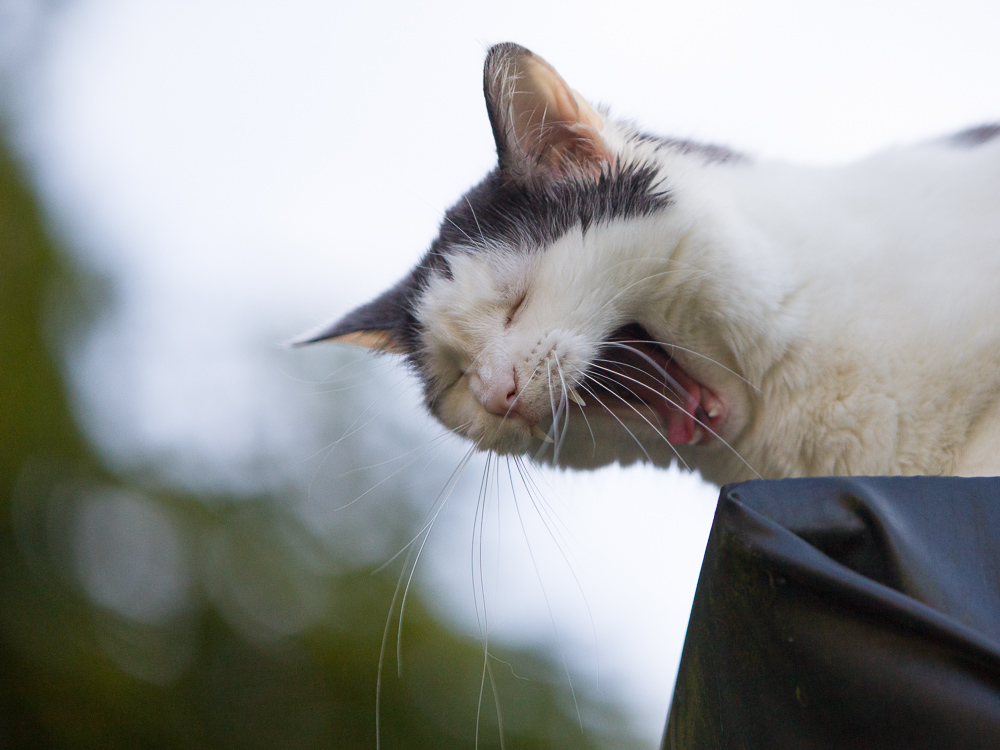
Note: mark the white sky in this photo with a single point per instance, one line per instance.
(248, 169)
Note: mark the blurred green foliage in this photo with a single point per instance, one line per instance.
(247, 631)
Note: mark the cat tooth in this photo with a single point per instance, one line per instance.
(698, 434)
(575, 396)
(537, 432)
(713, 411)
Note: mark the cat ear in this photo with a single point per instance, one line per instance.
(379, 325)
(542, 128)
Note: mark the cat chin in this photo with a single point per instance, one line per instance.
(510, 443)
(715, 461)
(589, 442)
(509, 437)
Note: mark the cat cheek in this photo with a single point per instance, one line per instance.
(452, 409)
(461, 413)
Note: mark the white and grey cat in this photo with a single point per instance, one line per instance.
(608, 295)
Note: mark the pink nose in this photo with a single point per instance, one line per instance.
(497, 391)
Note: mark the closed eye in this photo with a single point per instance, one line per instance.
(513, 310)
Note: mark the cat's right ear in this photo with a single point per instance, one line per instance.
(381, 325)
(542, 128)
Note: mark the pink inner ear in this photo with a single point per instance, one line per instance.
(553, 128)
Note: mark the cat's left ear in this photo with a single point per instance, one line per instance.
(381, 325)
(542, 128)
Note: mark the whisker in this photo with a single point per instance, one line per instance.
(643, 280)
(476, 554)
(616, 373)
(475, 243)
(624, 427)
(547, 516)
(355, 362)
(641, 416)
(476, 218)
(697, 420)
(652, 363)
(510, 666)
(478, 522)
(440, 502)
(438, 439)
(555, 414)
(378, 484)
(564, 405)
(548, 605)
(716, 362)
(351, 430)
(558, 526)
(496, 702)
(451, 482)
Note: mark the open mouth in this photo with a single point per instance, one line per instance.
(635, 377)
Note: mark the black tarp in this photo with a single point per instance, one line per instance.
(845, 613)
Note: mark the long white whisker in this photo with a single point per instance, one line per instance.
(546, 515)
(352, 429)
(496, 701)
(450, 482)
(715, 362)
(476, 218)
(409, 581)
(670, 379)
(441, 501)
(496, 586)
(624, 427)
(663, 373)
(452, 222)
(643, 280)
(374, 487)
(552, 619)
(564, 405)
(476, 552)
(641, 416)
(482, 618)
(555, 413)
(647, 386)
(697, 421)
(422, 447)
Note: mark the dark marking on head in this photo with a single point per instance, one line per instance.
(976, 136)
(529, 217)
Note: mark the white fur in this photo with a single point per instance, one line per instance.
(861, 304)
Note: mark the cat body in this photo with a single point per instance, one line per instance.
(879, 286)
(606, 295)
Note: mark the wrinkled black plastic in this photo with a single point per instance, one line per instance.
(845, 613)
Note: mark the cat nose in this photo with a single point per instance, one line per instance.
(496, 390)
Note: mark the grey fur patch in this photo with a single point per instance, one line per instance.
(500, 211)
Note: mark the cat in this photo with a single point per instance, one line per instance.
(606, 295)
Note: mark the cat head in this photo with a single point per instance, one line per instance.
(557, 307)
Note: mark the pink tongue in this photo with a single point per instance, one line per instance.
(678, 414)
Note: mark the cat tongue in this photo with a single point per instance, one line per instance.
(677, 408)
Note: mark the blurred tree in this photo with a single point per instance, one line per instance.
(133, 614)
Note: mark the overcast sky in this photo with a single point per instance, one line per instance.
(249, 169)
